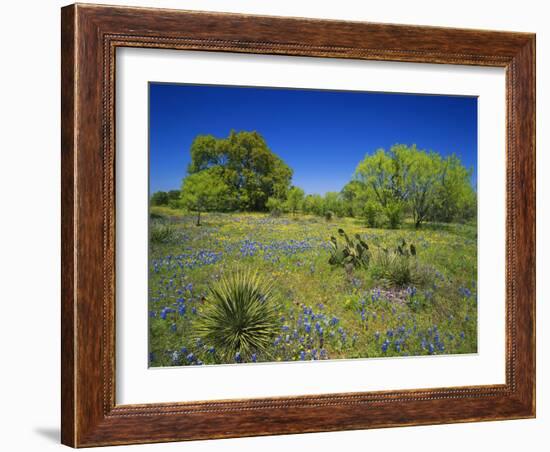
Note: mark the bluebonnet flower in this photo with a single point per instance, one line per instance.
(253, 357)
(302, 355)
(385, 346)
(462, 335)
(285, 328)
(431, 349)
(334, 321)
(277, 340)
(212, 350)
(164, 312)
(190, 357)
(377, 335)
(389, 333)
(173, 327)
(238, 358)
(307, 327)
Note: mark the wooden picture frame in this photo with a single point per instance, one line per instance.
(90, 36)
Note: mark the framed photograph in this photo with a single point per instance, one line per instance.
(281, 225)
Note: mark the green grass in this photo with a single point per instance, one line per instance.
(324, 312)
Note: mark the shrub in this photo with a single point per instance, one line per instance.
(275, 207)
(394, 214)
(371, 212)
(161, 232)
(329, 215)
(399, 267)
(156, 216)
(353, 253)
(239, 316)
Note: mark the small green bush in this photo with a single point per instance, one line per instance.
(160, 232)
(239, 316)
(394, 214)
(399, 267)
(371, 212)
(329, 215)
(275, 207)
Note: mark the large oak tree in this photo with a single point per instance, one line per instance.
(250, 170)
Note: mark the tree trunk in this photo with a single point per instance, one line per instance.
(199, 218)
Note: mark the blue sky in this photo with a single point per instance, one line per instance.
(321, 135)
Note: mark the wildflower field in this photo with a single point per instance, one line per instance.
(323, 311)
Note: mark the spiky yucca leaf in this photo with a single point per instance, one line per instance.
(239, 316)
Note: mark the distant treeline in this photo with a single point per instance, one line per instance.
(241, 173)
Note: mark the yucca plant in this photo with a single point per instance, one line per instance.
(161, 232)
(239, 316)
(399, 267)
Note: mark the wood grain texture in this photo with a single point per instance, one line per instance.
(90, 36)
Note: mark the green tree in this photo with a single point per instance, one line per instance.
(371, 211)
(382, 173)
(352, 196)
(275, 206)
(159, 198)
(332, 202)
(295, 199)
(251, 171)
(455, 198)
(203, 191)
(313, 204)
(410, 180)
(421, 182)
(174, 194)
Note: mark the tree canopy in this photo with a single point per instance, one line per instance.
(204, 191)
(240, 172)
(423, 183)
(249, 169)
